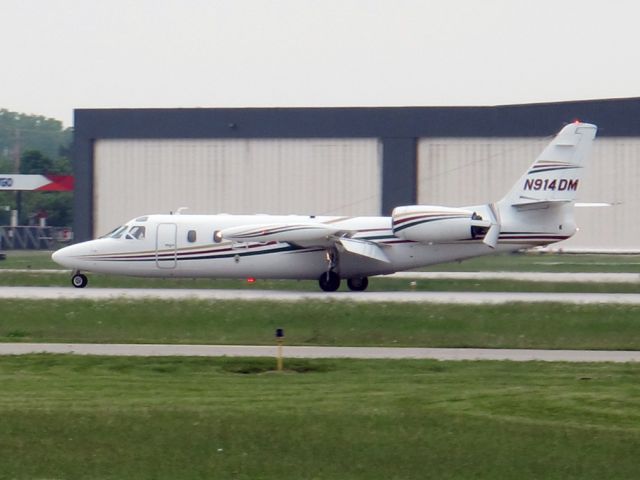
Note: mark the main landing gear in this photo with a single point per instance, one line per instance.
(330, 282)
(79, 280)
(358, 284)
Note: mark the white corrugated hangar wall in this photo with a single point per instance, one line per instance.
(472, 171)
(238, 176)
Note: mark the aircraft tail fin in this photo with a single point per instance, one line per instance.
(555, 176)
(539, 207)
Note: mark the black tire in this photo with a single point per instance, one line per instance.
(359, 284)
(79, 280)
(329, 282)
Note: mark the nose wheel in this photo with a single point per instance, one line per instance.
(79, 280)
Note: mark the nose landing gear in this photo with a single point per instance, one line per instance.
(79, 280)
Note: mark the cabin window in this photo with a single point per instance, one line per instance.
(191, 236)
(217, 238)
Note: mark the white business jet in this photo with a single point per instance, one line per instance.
(537, 211)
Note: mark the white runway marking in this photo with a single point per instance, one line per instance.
(322, 352)
(54, 293)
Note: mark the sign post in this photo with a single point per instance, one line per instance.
(41, 183)
(280, 341)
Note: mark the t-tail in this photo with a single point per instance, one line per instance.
(539, 208)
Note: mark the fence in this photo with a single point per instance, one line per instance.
(34, 238)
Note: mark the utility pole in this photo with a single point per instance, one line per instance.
(17, 154)
(17, 150)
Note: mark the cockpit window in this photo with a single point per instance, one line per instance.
(117, 233)
(136, 232)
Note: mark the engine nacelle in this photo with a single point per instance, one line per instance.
(429, 223)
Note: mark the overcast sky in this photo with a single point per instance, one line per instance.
(58, 55)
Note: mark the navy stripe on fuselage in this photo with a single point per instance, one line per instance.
(421, 220)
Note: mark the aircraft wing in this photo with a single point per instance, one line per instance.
(304, 234)
(280, 232)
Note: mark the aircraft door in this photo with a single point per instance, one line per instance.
(166, 245)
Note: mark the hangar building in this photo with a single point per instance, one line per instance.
(345, 161)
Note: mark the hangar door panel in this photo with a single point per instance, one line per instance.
(280, 176)
(471, 171)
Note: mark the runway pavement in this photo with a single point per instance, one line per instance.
(558, 277)
(53, 293)
(322, 352)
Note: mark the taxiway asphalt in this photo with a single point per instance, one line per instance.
(558, 277)
(53, 293)
(321, 352)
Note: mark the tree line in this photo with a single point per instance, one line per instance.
(33, 144)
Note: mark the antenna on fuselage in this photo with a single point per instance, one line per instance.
(179, 211)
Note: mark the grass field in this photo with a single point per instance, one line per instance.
(555, 326)
(192, 418)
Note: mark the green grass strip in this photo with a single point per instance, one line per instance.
(195, 418)
(521, 325)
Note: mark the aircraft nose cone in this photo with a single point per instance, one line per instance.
(62, 257)
(58, 256)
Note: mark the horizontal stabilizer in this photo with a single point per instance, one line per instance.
(594, 204)
(363, 248)
(533, 204)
